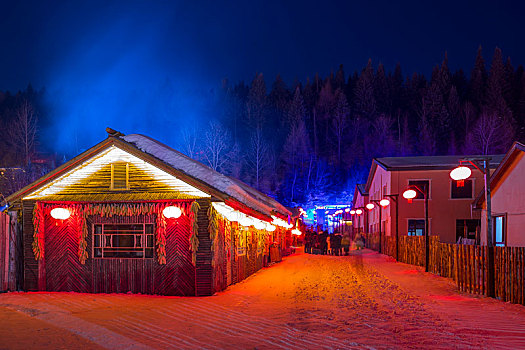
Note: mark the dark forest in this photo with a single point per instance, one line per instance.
(309, 143)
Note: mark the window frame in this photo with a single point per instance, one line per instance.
(418, 193)
(451, 183)
(103, 238)
(112, 184)
(419, 219)
(504, 229)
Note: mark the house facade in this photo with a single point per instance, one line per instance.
(360, 219)
(507, 185)
(133, 215)
(449, 205)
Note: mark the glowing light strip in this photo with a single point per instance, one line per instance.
(229, 213)
(281, 222)
(111, 155)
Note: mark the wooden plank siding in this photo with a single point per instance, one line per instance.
(60, 270)
(30, 264)
(7, 243)
(96, 187)
(204, 269)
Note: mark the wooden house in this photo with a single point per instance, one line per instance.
(507, 185)
(133, 215)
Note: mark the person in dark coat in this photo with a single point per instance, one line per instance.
(333, 240)
(345, 243)
(322, 242)
(336, 245)
(307, 241)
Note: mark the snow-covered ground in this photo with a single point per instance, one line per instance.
(362, 301)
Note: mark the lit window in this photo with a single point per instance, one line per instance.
(499, 231)
(464, 191)
(416, 227)
(123, 241)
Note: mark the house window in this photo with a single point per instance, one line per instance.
(424, 185)
(119, 176)
(123, 241)
(467, 228)
(416, 227)
(499, 231)
(465, 191)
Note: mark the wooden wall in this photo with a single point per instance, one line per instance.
(8, 253)
(61, 270)
(204, 269)
(30, 264)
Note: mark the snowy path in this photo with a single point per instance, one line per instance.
(363, 301)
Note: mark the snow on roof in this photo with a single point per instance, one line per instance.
(199, 171)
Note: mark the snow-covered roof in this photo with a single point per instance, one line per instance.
(429, 162)
(233, 188)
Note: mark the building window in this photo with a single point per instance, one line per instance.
(458, 192)
(424, 185)
(467, 228)
(499, 231)
(416, 227)
(123, 241)
(119, 176)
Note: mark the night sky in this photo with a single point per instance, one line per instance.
(109, 63)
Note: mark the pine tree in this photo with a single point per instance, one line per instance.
(381, 91)
(256, 104)
(296, 110)
(365, 103)
(478, 77)
(340, 121)
(339, 81)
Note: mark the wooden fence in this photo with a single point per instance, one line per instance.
(465, 264)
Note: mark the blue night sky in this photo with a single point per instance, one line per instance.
(111, 63)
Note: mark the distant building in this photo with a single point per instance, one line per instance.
(507, 185)
(360, 219)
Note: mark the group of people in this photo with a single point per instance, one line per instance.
(330, 244)
(326, 244)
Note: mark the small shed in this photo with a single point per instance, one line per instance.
(131, 214)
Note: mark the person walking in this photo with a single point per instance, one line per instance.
(336, 245)
(359, 243)
(322, 242)
(345, 243)
(307, 241)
